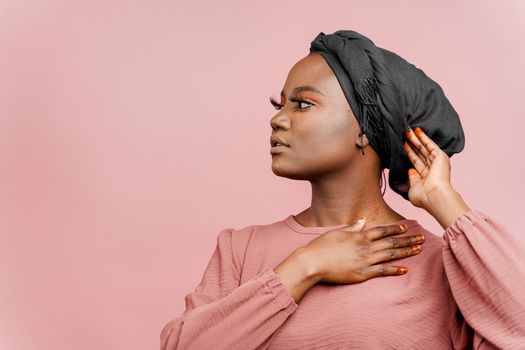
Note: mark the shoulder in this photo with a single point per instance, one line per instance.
(428, 264)
(238, 239)
(242, 236)
(433, 242)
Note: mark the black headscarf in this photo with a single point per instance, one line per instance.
(387, 94)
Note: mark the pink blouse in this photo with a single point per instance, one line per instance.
(465, 290)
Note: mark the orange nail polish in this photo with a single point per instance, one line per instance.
(418, 131)
(401, 269)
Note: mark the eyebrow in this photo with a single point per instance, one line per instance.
(304, 88)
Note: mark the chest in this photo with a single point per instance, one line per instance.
(381, 313)
(411, 311)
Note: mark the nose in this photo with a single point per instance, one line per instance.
(279, 121)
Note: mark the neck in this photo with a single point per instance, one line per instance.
(343, 199)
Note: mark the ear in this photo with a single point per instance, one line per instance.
(358, 141)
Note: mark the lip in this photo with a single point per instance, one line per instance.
(277, 149)
(276, 139)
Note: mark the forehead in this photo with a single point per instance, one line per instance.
(311, 70)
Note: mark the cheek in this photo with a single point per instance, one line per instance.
(329, 140)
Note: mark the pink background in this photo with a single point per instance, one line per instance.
(132, 132)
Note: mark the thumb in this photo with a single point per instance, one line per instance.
(414, 177)
(356, 226)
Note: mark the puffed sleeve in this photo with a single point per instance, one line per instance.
(485, 271)
(222, 314)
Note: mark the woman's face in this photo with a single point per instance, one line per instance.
(319, 127)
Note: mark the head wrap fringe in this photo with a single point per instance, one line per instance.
(372, 123)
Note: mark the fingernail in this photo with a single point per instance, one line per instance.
(418, 131)
(416, 248)
(420, 238)
(401, 269)
(403, 227)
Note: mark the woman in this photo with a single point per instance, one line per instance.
(311, 281)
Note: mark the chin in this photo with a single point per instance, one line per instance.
(287, 173)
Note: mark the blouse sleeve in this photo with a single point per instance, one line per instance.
(485, 270)
(221, 314)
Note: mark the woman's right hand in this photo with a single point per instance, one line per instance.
(351, 255)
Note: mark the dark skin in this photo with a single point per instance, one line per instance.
(325, 149)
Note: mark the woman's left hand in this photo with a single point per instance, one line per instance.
(431, 170)
(430, 186)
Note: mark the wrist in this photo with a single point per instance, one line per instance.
(297, 273)
(446, 205)
(310, 269)
(440, 195)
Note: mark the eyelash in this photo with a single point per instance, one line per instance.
(278, 106)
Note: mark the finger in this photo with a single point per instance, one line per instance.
(384, 270)
(427, 160)
(436, 153)
(430, 145)
(393, 254)
(414, 177)
(414, 158)
(356, 226)
(397, 242)
(384, 231)
(417, 145)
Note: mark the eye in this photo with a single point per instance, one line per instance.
(276, 104)
(299, 100)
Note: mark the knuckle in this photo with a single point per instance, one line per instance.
(394, 242)
(391, 253)
(383, 230)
